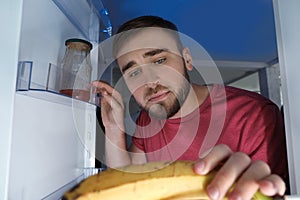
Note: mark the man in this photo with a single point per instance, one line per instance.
(180, 120)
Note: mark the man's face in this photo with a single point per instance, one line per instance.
(155, 72)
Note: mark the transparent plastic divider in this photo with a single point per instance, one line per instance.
(25, 82)
(52, 84)
(24, 75)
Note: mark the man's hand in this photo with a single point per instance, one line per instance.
(112, 113)
(112, 106)
(238, 168)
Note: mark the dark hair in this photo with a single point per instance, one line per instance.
(127, 29)
(147, 21)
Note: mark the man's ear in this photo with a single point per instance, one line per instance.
(187, 58)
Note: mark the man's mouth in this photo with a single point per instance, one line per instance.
(158, 96)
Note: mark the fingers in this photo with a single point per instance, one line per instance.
(248, 183)
(108, 92)
(238, 174)
(212, 159)
(114, 100)
(112, 106)
(272, 185)
(101, 86)
(228, 173)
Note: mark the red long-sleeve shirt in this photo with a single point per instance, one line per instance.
(243, 120)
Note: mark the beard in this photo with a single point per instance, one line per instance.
(165, 109)
(169, 107)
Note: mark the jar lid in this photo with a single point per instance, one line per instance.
(78, 40)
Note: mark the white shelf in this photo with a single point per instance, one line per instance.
(57, 98)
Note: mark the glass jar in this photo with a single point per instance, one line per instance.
(76, 69)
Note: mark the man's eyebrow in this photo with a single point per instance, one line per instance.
(147, 54)
(127, 66)
(154, 52)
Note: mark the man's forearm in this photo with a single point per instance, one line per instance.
(116, 154)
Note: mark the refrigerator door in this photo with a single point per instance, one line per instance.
(50, 138)
(53, 141)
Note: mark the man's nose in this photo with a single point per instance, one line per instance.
(151, 79)
(152, 85)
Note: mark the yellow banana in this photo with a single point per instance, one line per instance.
(150, 181)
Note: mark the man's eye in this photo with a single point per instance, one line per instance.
(135, 72)
(160, 61)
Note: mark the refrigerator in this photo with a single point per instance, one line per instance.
(48, 140)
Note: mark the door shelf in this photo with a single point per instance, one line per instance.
(57, 98)
(50, 89)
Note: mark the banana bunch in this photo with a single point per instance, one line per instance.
(150, 181)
